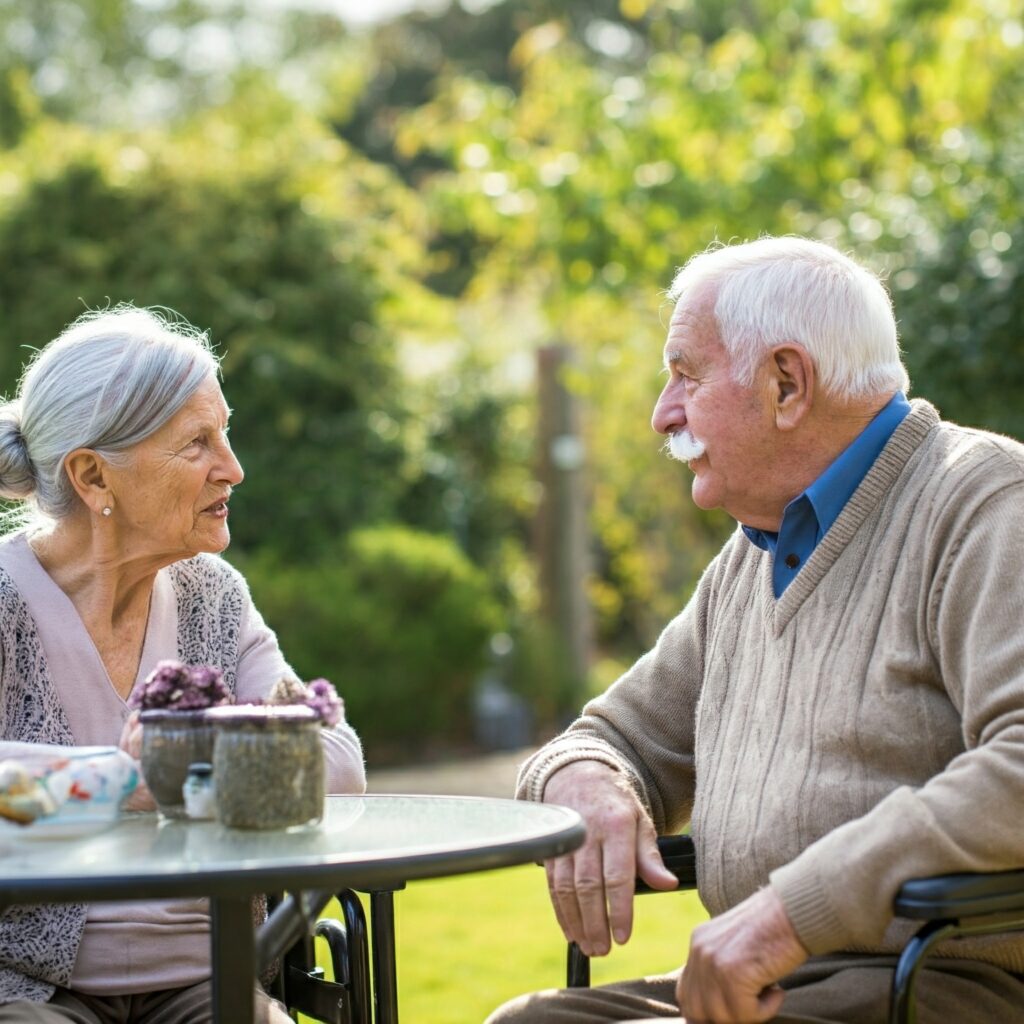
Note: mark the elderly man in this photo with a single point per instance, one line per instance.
(840, 706)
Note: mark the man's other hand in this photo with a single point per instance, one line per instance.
(592, 889)
(735, 961)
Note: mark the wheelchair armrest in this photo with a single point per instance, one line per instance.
(680, 858)
(964, 895)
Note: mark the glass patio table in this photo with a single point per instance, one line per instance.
(371, 842)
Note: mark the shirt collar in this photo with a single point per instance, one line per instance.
(834, 488)
(830, 492)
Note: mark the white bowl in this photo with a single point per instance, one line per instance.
(87, 785)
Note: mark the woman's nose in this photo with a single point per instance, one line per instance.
(230, 468)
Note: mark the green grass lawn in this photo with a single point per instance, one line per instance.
(467, 944)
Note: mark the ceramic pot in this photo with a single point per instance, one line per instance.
(268, 766)
(171, 741)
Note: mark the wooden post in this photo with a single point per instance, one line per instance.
(563, 536)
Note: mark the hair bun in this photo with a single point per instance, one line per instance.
(17, 474)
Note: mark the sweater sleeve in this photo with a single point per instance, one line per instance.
(643, 725)
(839, 892)
(260, 665)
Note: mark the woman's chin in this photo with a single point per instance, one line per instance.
(212, 542)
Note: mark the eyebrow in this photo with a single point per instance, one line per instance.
(679, 357)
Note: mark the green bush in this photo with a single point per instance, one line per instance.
(276, 256)
(398, 620)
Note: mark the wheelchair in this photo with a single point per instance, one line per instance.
(950, 907)
(364, 989)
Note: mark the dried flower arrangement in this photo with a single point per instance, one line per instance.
(172, 686)
(319, 695)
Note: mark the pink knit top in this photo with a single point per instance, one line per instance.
(142, 945)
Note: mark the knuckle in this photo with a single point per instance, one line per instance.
(617, 878)
(562, 888)
(589, 885)
(619, 818)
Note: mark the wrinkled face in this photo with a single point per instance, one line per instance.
(733, 424)
(170, 496)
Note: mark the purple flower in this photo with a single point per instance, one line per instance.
(319, 695)
(324, 700)
(178, 687)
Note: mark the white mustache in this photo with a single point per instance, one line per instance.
(682, 445)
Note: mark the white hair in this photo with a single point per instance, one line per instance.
(778, 290)
(108, 381)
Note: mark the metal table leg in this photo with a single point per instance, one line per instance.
(385, 980)
(233, 956)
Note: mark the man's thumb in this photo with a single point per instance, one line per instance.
(651, 868)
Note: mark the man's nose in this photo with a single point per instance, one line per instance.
(669, 415)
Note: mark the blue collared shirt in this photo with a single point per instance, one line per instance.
(807, 518)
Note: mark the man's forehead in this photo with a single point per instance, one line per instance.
(693, 307)
(689, 322)
(685, 321)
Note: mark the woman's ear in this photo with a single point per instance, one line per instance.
(793, 380)
(86, 470)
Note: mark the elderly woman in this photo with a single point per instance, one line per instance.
(117, 443)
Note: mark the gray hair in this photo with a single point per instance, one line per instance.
(791, 289)
(109, 380)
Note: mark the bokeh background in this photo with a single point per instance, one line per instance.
(432, 244)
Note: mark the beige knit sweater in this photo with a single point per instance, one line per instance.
(865, 728)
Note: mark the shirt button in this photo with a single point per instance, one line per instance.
(792, 561)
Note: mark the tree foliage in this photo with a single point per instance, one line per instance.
(280, 260)
(381, 229)
(890, 130)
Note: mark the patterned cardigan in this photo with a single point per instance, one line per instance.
(39, 944)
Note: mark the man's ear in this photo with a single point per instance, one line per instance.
(793, 378)
(87, 472)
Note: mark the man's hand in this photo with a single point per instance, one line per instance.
(735, 961)
(592, 888)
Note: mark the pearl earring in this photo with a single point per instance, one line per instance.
(107, 510)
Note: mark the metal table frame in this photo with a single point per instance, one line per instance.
(230, 888)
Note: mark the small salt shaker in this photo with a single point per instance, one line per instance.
(198, 792)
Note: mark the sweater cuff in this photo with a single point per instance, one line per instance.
(536, 772)
(815, 921)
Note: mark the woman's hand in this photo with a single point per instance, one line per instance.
(131, 736)
(140, 799)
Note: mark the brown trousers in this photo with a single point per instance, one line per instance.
(825, 990)
(190, 1005)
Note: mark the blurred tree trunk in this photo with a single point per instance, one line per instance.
(563, 539)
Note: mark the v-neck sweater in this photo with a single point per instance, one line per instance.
(131, 946)
(865, 728)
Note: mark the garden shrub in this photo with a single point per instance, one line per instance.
(398, 620)
(234, 240)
